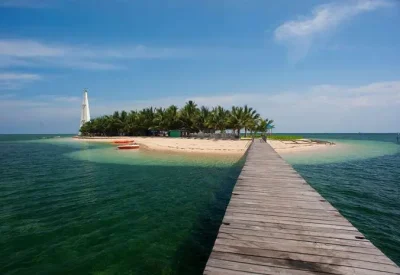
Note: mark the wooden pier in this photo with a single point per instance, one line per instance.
(276, 223)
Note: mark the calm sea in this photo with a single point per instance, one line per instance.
(78, 208)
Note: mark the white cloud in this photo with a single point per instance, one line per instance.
(15, 76)
(374, 107)
(300, 34)
(86, 65)
(31, 53)
(68, 99)
(12, 81)
(25, 3)
(6, 96)
(29, 48)
(57, 98)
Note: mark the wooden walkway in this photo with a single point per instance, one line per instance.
(278, 224)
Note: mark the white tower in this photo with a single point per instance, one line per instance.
(85, 112)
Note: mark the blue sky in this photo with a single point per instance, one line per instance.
(312, 66)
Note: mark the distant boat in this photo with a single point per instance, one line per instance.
(122, 141)
(128, 147)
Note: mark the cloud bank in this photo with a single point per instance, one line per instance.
(29, 4)
(25, 54)
(374, 107)
(31, 53)
(299, 35)
(13, 81)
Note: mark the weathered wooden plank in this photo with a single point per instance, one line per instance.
(319, 212)
(283, 201)
(284, 213)
(276, 191)
(347, 240)
(288, 247)
(269, 218)
(264, 225)
(284, 197)
(278, 224)
(275, 208)
(311, 206)
(301, 243)
(295, 264)
(223, 271)
(290, 224)
(270, 191)
(276, 188)
(311, 258)
(257, 269)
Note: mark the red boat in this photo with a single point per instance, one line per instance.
(128, 146)
(122, 141)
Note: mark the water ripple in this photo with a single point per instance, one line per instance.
(144, 215)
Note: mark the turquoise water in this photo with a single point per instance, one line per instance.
(79, 208)
(70, 207)
(345, 150)
(360, 177)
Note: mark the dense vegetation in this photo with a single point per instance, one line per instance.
(192, 118)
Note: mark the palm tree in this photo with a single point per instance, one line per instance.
(237, 119)
(123, 116)
(160, 121)
(219, 119)
(116, 124)
(172, 115)
(262, 126)
(269, 125)
(131, 123)
(202, 119)
(190, 116)
(146, 118)
(251, 117)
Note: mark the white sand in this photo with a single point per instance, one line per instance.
(299, 145)
(237, 147)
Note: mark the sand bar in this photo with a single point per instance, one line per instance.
(184, 145)
(193, 145)
(299, 145)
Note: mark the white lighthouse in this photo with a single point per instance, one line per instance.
(85, 112)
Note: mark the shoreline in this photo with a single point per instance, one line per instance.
(300, 145)
(213, 146)
(180, 145)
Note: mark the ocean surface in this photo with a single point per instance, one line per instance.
(361, 178)
(70, 207)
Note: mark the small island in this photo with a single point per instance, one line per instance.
(193, 129)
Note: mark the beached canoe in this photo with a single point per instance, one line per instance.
(128, 146)
(122, 141)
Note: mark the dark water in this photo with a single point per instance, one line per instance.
(62, 215)
(68, 208)
(365, 189)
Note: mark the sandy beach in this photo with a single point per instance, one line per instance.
(299, 145)
(184, 145)
(236, 147)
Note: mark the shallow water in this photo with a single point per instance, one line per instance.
(361, 178)
(86, 208)
(79, 209)
(343, 151)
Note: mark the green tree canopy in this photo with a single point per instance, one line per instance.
(190, 117)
